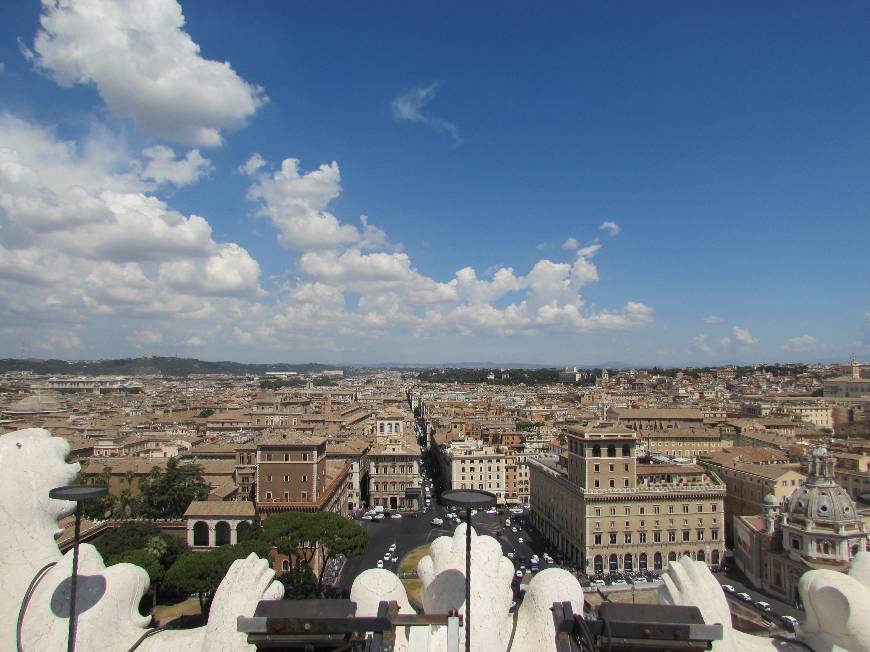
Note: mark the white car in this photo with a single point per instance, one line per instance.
(396, 515)
(437, 521)
(638, 580)
(507, 522)
(728, 588)
(379, 517)
(745, 597)
(387, 556)
(394, 559)
(392, 548)
(789, 621)
(619, 582)
(597, 583)
(492, 510)
(762, 605)
(520, 540)
(513, 529)
(367, 517)
(380, 563)
(510, 555)
(519, 573)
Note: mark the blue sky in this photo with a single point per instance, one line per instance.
(725, 148)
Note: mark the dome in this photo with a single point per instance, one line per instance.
(820, 498)
(771, 501)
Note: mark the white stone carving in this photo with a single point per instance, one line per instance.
(107, 598)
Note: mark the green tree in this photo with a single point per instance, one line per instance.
(301, 533)
(146, 560)
(136, 535)
(168, 493)
(300, 584)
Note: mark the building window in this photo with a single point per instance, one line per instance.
(597, 511)
(287, 496)
(796, 544)
(268, 478)
(286, 478)
(642, 536)
(657, 537)
(712, 507)
(268, 457)
(268, 495)
(597, 484)
(597, 538)
(286, 457)
(700, 534)
(657, 509)
(611, 468)
(612, 482)
(672, 536)
(613, 538)
(304, 478)
(642, 510)
(304, 495)
(700, 507)
(686, 535)
(625, 482)
(685, 509)
(627, 511)
(714, 534)
(597, 468)
(670, 509)
(628, 537)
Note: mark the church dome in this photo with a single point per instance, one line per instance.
(821, 499)
(771, 501)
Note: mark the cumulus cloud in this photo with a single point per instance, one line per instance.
(59, 342)
(699, 343)
(713, 319)
(742, 336)
(80, 216)
(163, 167)
(408, 108)
(296, 205)
(145, 67)
(194, 342)
(611, 227)
(571, 244)
(800, 343)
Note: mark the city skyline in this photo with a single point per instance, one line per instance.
(390, 184)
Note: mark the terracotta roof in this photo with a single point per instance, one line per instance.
(220, 508)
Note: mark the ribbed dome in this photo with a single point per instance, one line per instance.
(821, 498)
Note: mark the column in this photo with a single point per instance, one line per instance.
(233, 533)
(211, 534)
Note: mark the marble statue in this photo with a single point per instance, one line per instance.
(837, 605)
(107, 598)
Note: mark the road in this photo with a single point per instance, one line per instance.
(741, 585)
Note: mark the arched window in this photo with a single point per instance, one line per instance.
(614, 563)
(672, 556)
(611, 451)
(657, 561)
(200, 533)
(641, 561)
(599, 564)
(596, 451)
(626, 450)
(222, 533)
(701, 556)
(715, 558)
(627, 562)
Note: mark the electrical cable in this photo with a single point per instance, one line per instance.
(26, 600)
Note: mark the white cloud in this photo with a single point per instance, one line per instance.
(296, 205)
(699, 343)
(611, 227)
(541, 246)
(742, 336)
(2, 67)
(145, 67)
(144, 337)
(407, 108)
(194, 342)
(800, 343)
(58, 342)
(571, 244)
(713, 319)
(78, 216)
(163, 167)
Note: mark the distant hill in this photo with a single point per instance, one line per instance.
(151, 366)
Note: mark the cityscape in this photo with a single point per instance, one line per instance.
(395, 327)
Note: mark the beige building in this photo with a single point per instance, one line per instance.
(609, 511)
(474, 465)
(850, 386)
(683, 442)
(394, 476)
(853, 473)
(751, 474)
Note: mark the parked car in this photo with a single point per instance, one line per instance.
(513, 529)
(367, 517)
(762, 605)
(597, 583)
(619, 582)
(437, 521)
(380, 563)
(519, 573)
(745, 597)
(520, 540)
(728, 588)
(379, 517)
(638, 580)
(387, 556)
(396, 515)
(392, 547)
(395, 560)
(789, 622)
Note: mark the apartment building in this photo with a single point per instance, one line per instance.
(609, 511)
(293, 474)
(683, 442)
(394, 476)
(852, 473)
(474, 465)
(751, 474)
(657, 418)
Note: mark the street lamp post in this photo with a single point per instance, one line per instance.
(468, 499)
(78, 494)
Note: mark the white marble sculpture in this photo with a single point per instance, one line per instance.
(838, 605)
(108, 598)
